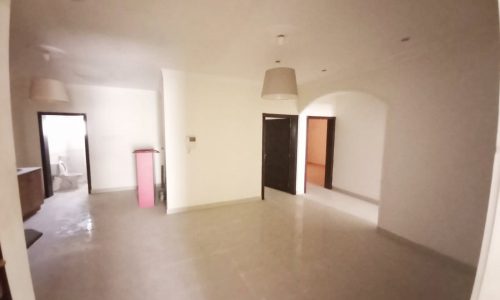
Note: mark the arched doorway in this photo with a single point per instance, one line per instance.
(358, 146)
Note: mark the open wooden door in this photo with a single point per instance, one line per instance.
(44, 147)
(45, 151)
(279, 150)
(327, 140)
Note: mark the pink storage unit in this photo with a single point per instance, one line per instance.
(145, 177)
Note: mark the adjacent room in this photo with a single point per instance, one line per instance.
(317, 141)
(65, 152)
(323, 149)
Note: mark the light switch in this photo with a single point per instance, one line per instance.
(190, 143)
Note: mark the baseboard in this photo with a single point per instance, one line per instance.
(177, 210)
(120, 189)
(470, 269)
(358, 196)
(111, 190)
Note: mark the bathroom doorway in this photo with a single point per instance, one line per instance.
(320, 141)
(65, 151)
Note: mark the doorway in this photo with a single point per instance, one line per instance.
(65, 151)
(320, 142)
(279, 152)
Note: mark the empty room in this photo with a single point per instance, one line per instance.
(323, 149)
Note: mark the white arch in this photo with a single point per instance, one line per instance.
(359, 141)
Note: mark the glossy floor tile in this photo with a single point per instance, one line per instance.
(345, 203)
(287, 247)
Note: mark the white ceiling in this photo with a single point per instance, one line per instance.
(126, 42)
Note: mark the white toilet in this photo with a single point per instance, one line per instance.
(62, 179)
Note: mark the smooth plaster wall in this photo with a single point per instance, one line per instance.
(225, 116)
(11, 225)
(316, 141)
(359, 140)
(440, 139)
(359, 143)
(119, 121)
(486, 285)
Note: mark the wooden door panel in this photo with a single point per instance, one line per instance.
(277, 154)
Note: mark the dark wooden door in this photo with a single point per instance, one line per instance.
(4, 283)
(44, 145)
(330, 146)
(277, 154)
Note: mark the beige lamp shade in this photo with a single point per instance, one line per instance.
(280, 84)
(48, 90)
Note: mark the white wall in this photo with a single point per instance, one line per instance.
(440, 140)
(118, 120)
(359, 140)
(225, 115)
(11, 226)
(486, 285)
(359, 143)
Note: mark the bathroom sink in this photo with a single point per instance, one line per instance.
(25, 170)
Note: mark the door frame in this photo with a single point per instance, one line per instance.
(330, 151)
(47, 173)
(292, 159)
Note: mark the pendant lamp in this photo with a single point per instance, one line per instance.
(280, 84)
(48, 90)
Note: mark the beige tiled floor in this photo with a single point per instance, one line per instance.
(103, 247)
(342, 202)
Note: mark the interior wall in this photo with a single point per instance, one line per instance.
(316, 141)
(119, 121)
(486, 285)
(225, 116)
(359, 143)
(488, 270)
(11, 225)
(440, 139)
(359, 140)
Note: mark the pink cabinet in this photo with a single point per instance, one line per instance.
(145, 177)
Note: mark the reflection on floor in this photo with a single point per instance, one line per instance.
(345, 203)
(315, 174)
(82, 186)
(104, 247)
